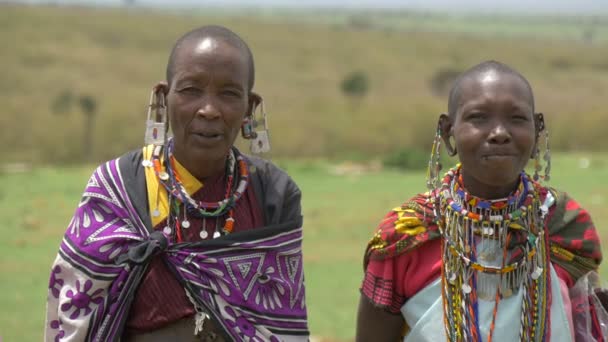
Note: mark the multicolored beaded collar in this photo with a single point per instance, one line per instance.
(476, 232)
(171, 181)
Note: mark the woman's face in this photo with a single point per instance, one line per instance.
(207, 100)
(494, 130)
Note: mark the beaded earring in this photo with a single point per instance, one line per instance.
(156, 122)
(247, 128)
(260, 140)
(538, 167)
(547, 157)
(434, 168)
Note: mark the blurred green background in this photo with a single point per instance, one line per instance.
(352, 96)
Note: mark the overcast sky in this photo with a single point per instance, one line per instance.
(513, 6)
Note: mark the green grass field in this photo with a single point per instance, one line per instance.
(340, 210)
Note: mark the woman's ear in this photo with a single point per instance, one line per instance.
(539, 127)
(445, 127)
(539, 123)
(254, 101)
(161, 86)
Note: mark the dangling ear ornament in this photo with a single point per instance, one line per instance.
(156, 122)
(547, 157)
(260, 140)
(540, 121)
(247, 129)
(434, 168)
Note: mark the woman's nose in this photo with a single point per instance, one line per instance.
(208, 109)
(499, 134)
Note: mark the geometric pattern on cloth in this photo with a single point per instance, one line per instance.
(241, 279)
(254, 294)
(239, 266)
(290, 268)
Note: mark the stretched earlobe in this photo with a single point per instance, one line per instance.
(444, 125)
(161, 86)
(259, 138)
(157, 125)
(249, 121)
(539, 124)
(254, 101)
(449, 148)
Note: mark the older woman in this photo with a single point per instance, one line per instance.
(187, 238)
(489, 253)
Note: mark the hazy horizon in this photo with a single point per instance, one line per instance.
(561, 7)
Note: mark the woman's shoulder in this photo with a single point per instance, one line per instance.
(127, 166)
(563, 211)
(574, 240)
(417, 211)
(264, 166)
(403, 229)
(278, 194)
(566, 219)
(269, 174)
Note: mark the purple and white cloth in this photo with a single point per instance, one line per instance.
(250, 283)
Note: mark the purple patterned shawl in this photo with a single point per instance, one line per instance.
(251, 283)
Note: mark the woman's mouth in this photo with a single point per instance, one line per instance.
(208, 137)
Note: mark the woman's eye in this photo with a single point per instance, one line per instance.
(476, 116)
(231, 93)
(189, 90)
(520, 118)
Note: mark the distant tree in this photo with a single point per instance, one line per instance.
(359, 22)
(88, 105)
(442, 81)
(129, 2)
(62, 103)
(355, 85)
(589, 35)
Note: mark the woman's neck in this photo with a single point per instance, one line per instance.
(200, 169)
(487, 191)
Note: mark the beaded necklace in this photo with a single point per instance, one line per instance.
(474, 233)
(177, 193)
